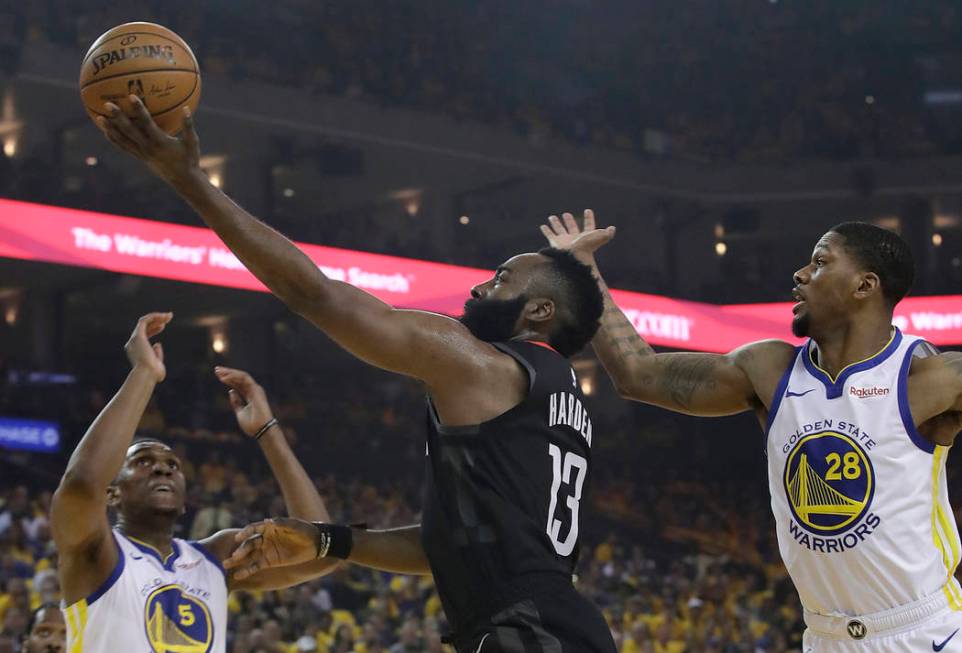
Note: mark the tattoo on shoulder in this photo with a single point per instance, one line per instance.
(683, 376)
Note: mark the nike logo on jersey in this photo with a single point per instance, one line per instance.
(939, 647)
(133, 557)
(789, 393)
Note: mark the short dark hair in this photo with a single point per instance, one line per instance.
(579, 302)
(883, 252)
(35, 615)
(143, 439)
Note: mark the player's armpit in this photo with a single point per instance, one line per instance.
(935, 386)
(87, 564)
(954, 363)
(942, 429)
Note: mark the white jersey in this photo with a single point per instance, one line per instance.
(153, 605)
(859, 496)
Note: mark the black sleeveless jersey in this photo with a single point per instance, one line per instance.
(502, 499)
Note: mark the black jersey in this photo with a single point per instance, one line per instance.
(502, 498)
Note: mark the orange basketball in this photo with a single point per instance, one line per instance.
(145, 60)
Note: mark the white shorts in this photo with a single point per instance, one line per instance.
(929, 625)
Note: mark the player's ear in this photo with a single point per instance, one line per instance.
(868, 284)
(113, 495)
(539, 309)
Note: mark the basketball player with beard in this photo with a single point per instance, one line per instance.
(508, 443)
(134, 586)
(859, 420)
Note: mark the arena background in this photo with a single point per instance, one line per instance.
(722, 137)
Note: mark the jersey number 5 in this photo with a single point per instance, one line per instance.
(562, 466)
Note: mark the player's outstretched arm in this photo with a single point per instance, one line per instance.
(301, 498)
(430, 347)
(79, 509)
(693, 383)
(279, 543)
(256, 420)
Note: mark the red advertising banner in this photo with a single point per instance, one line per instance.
(50, 234)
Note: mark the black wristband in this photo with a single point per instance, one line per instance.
(264, 429)
(334, 540)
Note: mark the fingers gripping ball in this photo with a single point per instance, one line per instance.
(145, 60)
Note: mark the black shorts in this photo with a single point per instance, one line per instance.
(564, 622)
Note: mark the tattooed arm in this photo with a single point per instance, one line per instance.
(692, 383)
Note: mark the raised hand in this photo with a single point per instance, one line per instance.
(273, 543)
(583, 243)
(247, 398)
(135, 132)
(143, 355)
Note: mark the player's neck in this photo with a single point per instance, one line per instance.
(856, 342)
(531, 336)
(159, 535)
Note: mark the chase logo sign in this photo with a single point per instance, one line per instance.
(29, 435)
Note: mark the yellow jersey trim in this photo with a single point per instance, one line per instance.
(834, 379)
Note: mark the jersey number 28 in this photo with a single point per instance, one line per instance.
(562, 466)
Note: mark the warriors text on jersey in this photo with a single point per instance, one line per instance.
(502, 499)
(149, 604)
(859, 496)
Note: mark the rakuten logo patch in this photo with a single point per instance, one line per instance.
(866, 393)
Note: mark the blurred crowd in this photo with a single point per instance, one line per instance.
(678, 548)
(679, 557)
(705, 80)
(712, 599)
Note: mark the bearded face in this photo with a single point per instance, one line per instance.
(493, 320)
(802, 324)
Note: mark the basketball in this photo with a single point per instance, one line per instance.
(146, 60)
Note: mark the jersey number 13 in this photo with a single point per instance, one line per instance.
(564, 465)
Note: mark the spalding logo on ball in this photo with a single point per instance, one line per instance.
(146, 60)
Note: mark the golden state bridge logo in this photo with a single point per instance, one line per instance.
(177, 622)
(829, 482)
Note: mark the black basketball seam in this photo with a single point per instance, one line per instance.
(139, 72)
(182, 44)
(154, 115)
